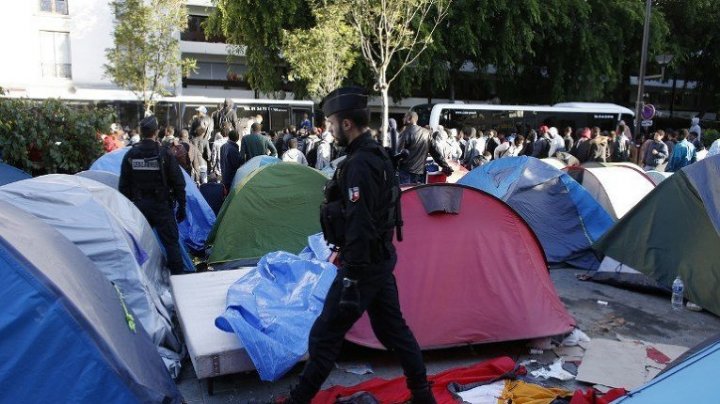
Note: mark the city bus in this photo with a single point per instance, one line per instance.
(512, 118)
(277, 114)
(179, 111)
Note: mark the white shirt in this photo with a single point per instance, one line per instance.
(506, 149)
(294, 156)
(714, 148)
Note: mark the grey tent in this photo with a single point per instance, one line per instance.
(65, 334)
(113, 233)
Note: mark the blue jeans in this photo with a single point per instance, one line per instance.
(410, 178)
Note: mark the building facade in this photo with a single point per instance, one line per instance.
(56, 49)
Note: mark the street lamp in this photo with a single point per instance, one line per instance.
(663, 61)
(643, 63)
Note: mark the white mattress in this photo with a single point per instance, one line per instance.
(199, 299)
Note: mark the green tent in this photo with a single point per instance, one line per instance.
(674, 231)
(276, 207)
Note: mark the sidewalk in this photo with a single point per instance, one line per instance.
(629, 314)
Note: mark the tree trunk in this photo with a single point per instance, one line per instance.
(385, 113)
(452, 86)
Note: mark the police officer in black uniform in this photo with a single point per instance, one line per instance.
(359, 216)
(151, 178)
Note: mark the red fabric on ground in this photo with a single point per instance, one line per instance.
(591, 396)
(657, 356)
(395, 391)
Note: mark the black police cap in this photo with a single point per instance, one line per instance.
(149, 125)
(344, 99)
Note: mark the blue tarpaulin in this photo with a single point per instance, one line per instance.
(200, 217)
(272, 308)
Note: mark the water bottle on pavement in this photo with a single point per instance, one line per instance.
(678, 288)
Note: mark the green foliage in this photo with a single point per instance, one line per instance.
(709, 136)
(256, 30)
(146, 55)
(695, 44)
(323, 55)
(51, 136)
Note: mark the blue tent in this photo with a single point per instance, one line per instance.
(689, 379)
(563, 215)
(200, 217)
(61, 343)
(9, 174)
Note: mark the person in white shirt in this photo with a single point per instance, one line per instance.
(324, 152)
(508, 148)
(293, 155)
(557, 144)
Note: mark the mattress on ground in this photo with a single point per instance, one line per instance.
(199, 299)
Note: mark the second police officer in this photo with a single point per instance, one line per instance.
(151, 178)
(359, 215)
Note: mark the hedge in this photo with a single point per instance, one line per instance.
(51, 136)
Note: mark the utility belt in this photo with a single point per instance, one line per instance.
(159, 194)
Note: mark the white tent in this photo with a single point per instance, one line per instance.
(113, 234)
(658, 176)
(617, 188)
(110, 179)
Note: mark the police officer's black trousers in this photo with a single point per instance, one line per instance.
(162, 218)
(379, 296)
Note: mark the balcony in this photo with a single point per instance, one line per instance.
(203, 48)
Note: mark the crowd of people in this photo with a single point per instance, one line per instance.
(662, 150)
(216, 145)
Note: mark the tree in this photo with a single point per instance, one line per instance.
(51, 136)
(694, 45)
(255, 30)
(323, 55)
(146, 57)
(393, 31)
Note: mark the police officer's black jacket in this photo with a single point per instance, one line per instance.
(418, 142)
(149, 171)
(359, 212)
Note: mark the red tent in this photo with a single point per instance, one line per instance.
(469, 271)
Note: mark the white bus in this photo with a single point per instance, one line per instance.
(512, 118)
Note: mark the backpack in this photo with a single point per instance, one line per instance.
(181, 155)
(311, 156)
(621, 151)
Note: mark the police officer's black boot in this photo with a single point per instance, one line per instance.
(422, 396)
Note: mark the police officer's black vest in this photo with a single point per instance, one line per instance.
(148, 173)
(332, 216)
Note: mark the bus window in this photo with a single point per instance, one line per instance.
(166, 113)
(190, 110)
(279, 118)
(507, 121)
(423, 112)
(246, 112)
(298, 114)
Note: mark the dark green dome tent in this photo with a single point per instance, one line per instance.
(274, 208)
(674, 230)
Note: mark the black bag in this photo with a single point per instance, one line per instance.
(311, 156)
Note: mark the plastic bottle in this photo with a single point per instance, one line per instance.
(678, 288)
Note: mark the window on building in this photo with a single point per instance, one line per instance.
(54, 6)
(55, 54)
(196, 33)
(218, 71)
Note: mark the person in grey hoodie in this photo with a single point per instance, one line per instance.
(655, 153)
(325, 151)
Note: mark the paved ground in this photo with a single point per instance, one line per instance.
(628, 313)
